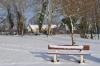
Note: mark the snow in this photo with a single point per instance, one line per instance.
(32, 50)
(68, 47)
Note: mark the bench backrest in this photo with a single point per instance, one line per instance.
(69, 47)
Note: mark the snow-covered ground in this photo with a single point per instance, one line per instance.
(32, 51)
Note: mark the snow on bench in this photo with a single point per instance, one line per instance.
(83, 50)
(65, 47)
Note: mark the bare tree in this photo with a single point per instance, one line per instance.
(97, 17)
(19, 8)
(77, 8)
(7, 5)
(49, 10)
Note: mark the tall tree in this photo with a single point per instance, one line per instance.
(10, 19)
(97, 16)
(19, 6)
(49, 9)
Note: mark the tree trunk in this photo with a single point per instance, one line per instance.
(98, 32)
(91, 34)
(49, 16)
(72, 31)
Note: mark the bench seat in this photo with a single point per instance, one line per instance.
(68, 47)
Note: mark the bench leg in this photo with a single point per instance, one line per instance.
(81, 59)
(55, 60)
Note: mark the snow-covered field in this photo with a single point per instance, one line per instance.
(32, 51)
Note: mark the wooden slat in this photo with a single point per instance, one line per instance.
(69, 53)
(65, 47)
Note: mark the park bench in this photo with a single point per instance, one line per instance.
(69, 50)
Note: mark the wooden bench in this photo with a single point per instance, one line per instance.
(82, 50)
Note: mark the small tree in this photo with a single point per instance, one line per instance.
(42, 15)
(70, 22)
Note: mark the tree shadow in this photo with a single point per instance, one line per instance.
(71, 58)
(92, 58)
(44, 55)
